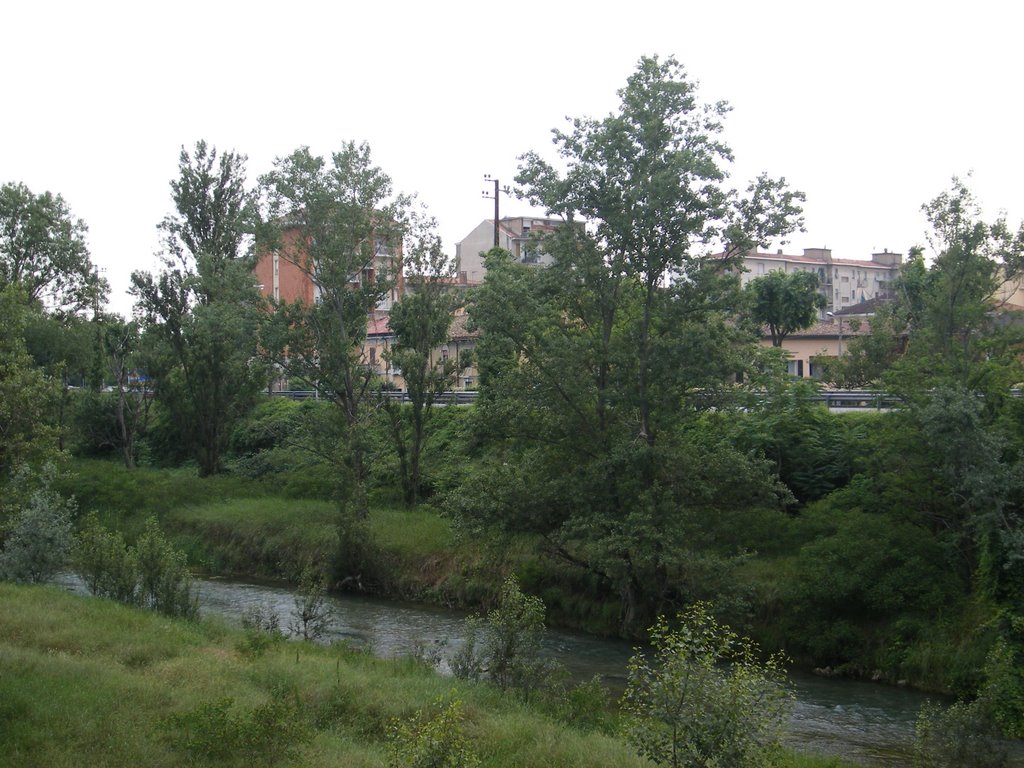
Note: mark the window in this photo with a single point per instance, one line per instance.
(795, 368)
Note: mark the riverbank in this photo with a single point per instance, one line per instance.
(234, 526)
(89, 682)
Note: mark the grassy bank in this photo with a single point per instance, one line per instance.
(238, 526)
(242, 527)
(88, 682)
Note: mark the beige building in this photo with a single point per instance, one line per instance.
(843, 282)
(514, 235)
(826, 338)
(459, 347)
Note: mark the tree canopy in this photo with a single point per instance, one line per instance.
(784, 302)
(43, 250)
(202, 311)
(592, 369)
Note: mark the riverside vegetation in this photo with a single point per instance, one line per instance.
(633, 451)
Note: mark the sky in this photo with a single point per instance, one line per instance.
(869, 108)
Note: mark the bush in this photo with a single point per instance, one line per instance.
(961, 736)
(152, 574)
(311, 614)
(39, 536)
(266, 735)
(105, 563)
(262, 630)
(505, 648)
(432, 742)
(683, 708)
(165, 584)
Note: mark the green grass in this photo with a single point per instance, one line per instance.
(265, 536)
(238, 526)
(416, 533)
(85, 681)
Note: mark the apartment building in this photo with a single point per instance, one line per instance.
(843, 282)
(514, 235)
(288, 274)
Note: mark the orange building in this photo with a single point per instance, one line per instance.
(287, 274)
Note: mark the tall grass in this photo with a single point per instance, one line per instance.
(85, 681)
(72, 695)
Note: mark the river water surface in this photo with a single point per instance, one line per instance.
(867, 723)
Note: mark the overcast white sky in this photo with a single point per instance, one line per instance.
(869, 107)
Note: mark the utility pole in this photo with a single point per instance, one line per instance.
(498, 189)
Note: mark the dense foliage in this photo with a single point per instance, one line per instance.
(612, 462)
(703, 698)
(593, 369)
(202, 311)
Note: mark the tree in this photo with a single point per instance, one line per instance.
(203, 311)
(785, 302)
(64, 347)
(27, 434)
(591, 368)
(42, 249)
(952, 308)
(703, 698)
(420, 323)
(122, 342)
(341, 225)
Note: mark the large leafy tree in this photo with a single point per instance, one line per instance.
(784, 302)
(339, 222)
(420, 323)
(43, 249)
(27, 434)
(203, 310)
(592, 368)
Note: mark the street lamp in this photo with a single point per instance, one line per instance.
(840, 318)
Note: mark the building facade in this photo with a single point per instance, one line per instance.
(514, 235)
(843, 282)
(287, 274)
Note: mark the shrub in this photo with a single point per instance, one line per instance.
(105, 563)
(262, 630)
(505, 648)
(683, 708)
(432, 742)
(165, 584)
(961, 736)
(311, 614)
(152, 574)
(265, 735)
(39, 537)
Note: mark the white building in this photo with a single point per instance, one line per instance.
(843, 282)
(513, 235)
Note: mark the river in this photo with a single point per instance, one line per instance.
(867, 723)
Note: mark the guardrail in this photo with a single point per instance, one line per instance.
(446, 398)
(857, 399)
(847, 399)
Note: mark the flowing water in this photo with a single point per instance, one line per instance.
(867, 723)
